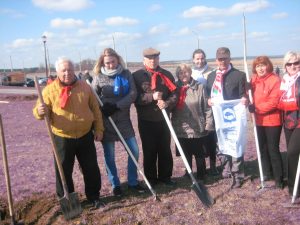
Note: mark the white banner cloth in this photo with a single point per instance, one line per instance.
(231, 127)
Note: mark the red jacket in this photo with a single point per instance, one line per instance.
(266, 95)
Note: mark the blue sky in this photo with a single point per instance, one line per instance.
(80, 29)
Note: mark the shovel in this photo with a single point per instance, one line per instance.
(197, 187)
(69, 203)
(7, 178)
(126, 146)
(295, 189)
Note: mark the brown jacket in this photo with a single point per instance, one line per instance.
(195, 119)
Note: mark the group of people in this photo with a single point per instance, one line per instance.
(77, 121)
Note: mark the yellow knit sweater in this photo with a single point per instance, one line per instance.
(80, 115)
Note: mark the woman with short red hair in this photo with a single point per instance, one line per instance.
(265, 87)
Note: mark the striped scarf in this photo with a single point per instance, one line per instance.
(217, 87)
(288, 99)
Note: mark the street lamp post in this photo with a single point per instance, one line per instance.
(197, 38)
(113, 38)
(44, 38)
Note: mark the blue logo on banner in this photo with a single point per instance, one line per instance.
(229, 114)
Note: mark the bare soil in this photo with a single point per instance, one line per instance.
(33, 184)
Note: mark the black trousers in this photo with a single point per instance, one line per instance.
(268, 139)
(210, 145)
(156, 140)
(292, 137)
(85, 151)
(191, 147)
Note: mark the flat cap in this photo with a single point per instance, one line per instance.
(150, 52)
(223, 52)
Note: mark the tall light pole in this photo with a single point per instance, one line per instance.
(113, 38)
(197, 38)
(44, 38)
(79, 62)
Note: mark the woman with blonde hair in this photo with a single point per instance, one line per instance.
(116, 89)
(289, 103)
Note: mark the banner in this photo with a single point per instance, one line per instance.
(231, 127)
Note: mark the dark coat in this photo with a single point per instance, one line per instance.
(145, 105)
(234, 84)
(104, 86)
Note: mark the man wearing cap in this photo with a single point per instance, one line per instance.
(228, 83)
(155, 91)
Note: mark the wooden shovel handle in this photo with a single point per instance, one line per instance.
(6, 171)
(54, 149)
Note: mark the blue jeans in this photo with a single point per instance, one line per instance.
(110, 164)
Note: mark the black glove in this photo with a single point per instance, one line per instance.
(109, 108)
(251, 108)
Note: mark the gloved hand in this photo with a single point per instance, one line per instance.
(251, 108)
(109, 108)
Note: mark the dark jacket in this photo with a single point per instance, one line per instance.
(234, 84)
(145, 105)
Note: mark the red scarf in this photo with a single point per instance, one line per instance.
(64, 95)
(166, 80)
(182, 96)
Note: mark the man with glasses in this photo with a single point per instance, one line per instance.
(155, 91)
(228, 83)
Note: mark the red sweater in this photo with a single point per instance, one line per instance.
(266, 95)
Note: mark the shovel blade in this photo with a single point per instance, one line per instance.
(70, 206)
(203, 194)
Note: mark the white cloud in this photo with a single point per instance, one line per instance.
(120, 21)
(164, 45)
(280, 15)
(210, 25)
(90, 31)
(20, 43)
(63, 5)
(258, 35)
(10, 12)
(94, 23)
(161, 28)
(183, 31)
(238, 8)
(66, 23)
(154, 8)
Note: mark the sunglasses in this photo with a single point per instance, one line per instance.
(294, 63)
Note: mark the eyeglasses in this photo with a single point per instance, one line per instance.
(294, 63)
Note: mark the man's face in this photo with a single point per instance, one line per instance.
(151, 61)
(224, 62)
(199, 60)
(66, 73)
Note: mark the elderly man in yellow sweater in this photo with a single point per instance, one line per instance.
(76, 122)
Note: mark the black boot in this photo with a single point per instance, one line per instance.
(213, 168)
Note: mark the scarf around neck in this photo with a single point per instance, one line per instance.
(217, 87)
(65, 93)
(113, 72)
(288, 99)
(182, 95)
(164, 78)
